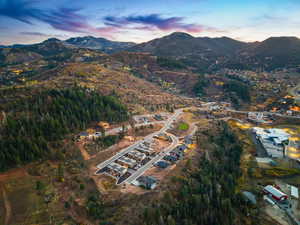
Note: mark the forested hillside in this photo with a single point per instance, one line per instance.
(34, 125)
(207, 194)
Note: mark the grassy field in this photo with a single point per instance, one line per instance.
(183, 126)
(281, 172)
(28, 206)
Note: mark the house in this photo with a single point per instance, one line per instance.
(129, 138)
(147, 182)
(162, 164)
(275, 193)
(177, 153)
(104, 125)
(181, 148)
(136, 155)
(144, 150)
(116, 169)
(158, 117)
(83, 135)
(170, 158)
(126, 162)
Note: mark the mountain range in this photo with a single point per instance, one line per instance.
(199, 53)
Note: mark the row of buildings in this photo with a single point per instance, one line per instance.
(131, 160)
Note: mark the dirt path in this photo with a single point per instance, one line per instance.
(12, 174)
(7, 206)
(84, 153)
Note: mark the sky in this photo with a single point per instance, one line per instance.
(32, 21)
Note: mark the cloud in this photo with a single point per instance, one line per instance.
(39, 34)
(156, 21)
(34, 34)
(71, 20)
(65, 19)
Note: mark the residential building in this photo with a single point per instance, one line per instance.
(116, 169)
(126, 162)
(136, 155)
(162, 164)
(147, 182)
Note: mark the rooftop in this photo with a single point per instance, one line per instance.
(137, 154)
(118, 168)
(127, 161)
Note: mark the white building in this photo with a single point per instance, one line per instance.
(272, 140)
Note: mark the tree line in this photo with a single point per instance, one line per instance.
(33, 125)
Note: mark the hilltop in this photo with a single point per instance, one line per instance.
(210, 54)
(101, 44)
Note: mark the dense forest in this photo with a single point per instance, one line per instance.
(170, 63)
(33, 126)
(241, 90)
(199, 88)
(208, 194)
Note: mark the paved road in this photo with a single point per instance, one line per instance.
(138, 117)
(118, 129)
(267, 113)
(167, 125)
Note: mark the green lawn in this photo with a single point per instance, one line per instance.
(183, 126)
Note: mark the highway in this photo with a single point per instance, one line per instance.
(167, 125)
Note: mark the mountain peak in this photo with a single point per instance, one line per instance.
(96, 43)
(52, 40)
(180, 35)
(282, 39)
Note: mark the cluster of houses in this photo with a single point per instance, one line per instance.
(131, 161)
(177, 153)
(150, 182)
(91, 133)
(150, 118)
(273, 140)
